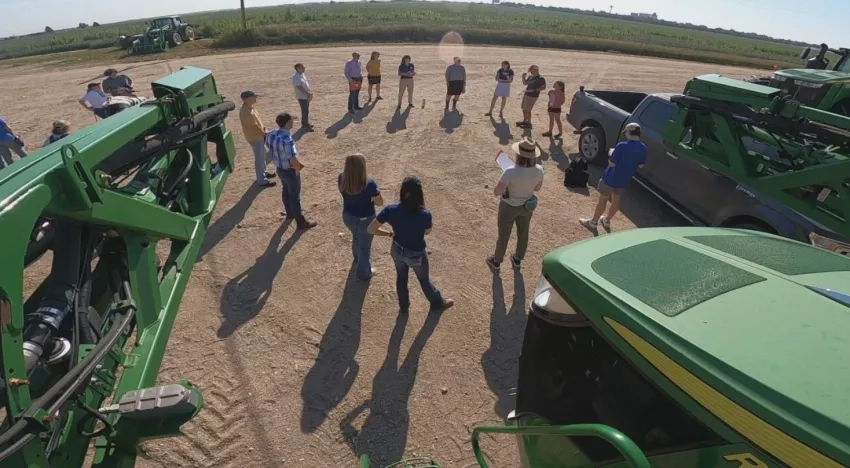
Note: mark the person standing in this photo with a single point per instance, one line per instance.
(117, 85)
(373, 73)
(556, 101)
(303, 94)
(406, 72)
(285, 157)
(628, 156)
(504, 78)
(534, 84)
(61, 129)
(360, 195)
(354, 76)
(95, 100)
(410, 223)
(516, 187)
(9, 142)
(455, 83)
(255, 132)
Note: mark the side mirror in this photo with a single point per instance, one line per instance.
(805, 53)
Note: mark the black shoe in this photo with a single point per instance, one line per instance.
(491, 261)
(267, 183)
(446, 305)
(515, 262)
(269, 175)
(304, 225)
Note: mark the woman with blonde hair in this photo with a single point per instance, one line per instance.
(360, 194)
(373, 74)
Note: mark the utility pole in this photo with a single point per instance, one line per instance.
(610, 10)
(242, 7)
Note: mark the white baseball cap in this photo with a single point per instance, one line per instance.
(632, 127)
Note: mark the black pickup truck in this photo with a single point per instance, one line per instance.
(700, 195)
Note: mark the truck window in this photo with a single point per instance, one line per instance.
(570, 375)
(656, 115)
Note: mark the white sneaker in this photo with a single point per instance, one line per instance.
(588, 223)
(606, 223)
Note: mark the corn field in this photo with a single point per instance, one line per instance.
(419, 22)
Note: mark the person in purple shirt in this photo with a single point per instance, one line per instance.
(628, 156)
(360, 195)
(354, 76)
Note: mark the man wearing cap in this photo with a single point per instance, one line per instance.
(354, 76)
(628, 156)
(303, 94)
(285, 157)
(117, 85)
(255, 132)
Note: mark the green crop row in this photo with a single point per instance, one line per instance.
(416, 22)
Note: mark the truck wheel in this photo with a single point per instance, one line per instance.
(592, 145)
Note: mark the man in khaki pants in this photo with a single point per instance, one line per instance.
(255, 132)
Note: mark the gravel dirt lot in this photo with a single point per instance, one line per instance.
(301, 365)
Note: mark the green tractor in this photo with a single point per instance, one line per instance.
(817, 85)
(162, 34)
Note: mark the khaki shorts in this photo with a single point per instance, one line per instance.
(606, 190)
(528, 102)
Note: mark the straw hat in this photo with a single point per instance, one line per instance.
(61, 125)
(527, 148)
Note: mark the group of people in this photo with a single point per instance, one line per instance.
(408, 222)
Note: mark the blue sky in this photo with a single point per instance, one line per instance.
(818, 21)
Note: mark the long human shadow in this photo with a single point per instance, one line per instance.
(451, 120)
(335, 369)
(398, 120)
(332, 131)
(364, 112)
(245, 295)
(384, 432)
(501, 359)
(502, 130)
(233, 216)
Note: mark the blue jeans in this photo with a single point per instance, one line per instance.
(361, 243)
(291, 193)
(354, 98)
(416, 260)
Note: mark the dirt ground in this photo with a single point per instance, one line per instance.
(304, 367)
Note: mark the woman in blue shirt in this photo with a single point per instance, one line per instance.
(360, 194)
(410, 223)
(406, 72)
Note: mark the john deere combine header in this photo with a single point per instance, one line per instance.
(81, 354)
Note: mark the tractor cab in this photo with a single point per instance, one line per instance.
(818, 85)
(673, 347)
(169, 22)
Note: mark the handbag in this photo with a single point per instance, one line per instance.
(531, 203)
(355, 85)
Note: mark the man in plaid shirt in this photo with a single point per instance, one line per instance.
(285, 157)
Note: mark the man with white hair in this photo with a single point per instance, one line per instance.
(628, 156)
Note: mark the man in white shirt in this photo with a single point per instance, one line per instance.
(304, 95)
(96, 101)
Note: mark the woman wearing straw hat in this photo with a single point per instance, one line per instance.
(60, 131)
(516, 187)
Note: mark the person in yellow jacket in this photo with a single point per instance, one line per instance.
(373, 74)
(255, 132)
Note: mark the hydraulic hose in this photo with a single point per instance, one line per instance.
(67, 385)
(60, 295)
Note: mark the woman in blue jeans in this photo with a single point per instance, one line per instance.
(360, 194)
(410, 222)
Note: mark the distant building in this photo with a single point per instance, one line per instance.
(649, 16)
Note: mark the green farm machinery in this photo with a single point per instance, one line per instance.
(162, 34)
(816, 85)
(81, 353)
